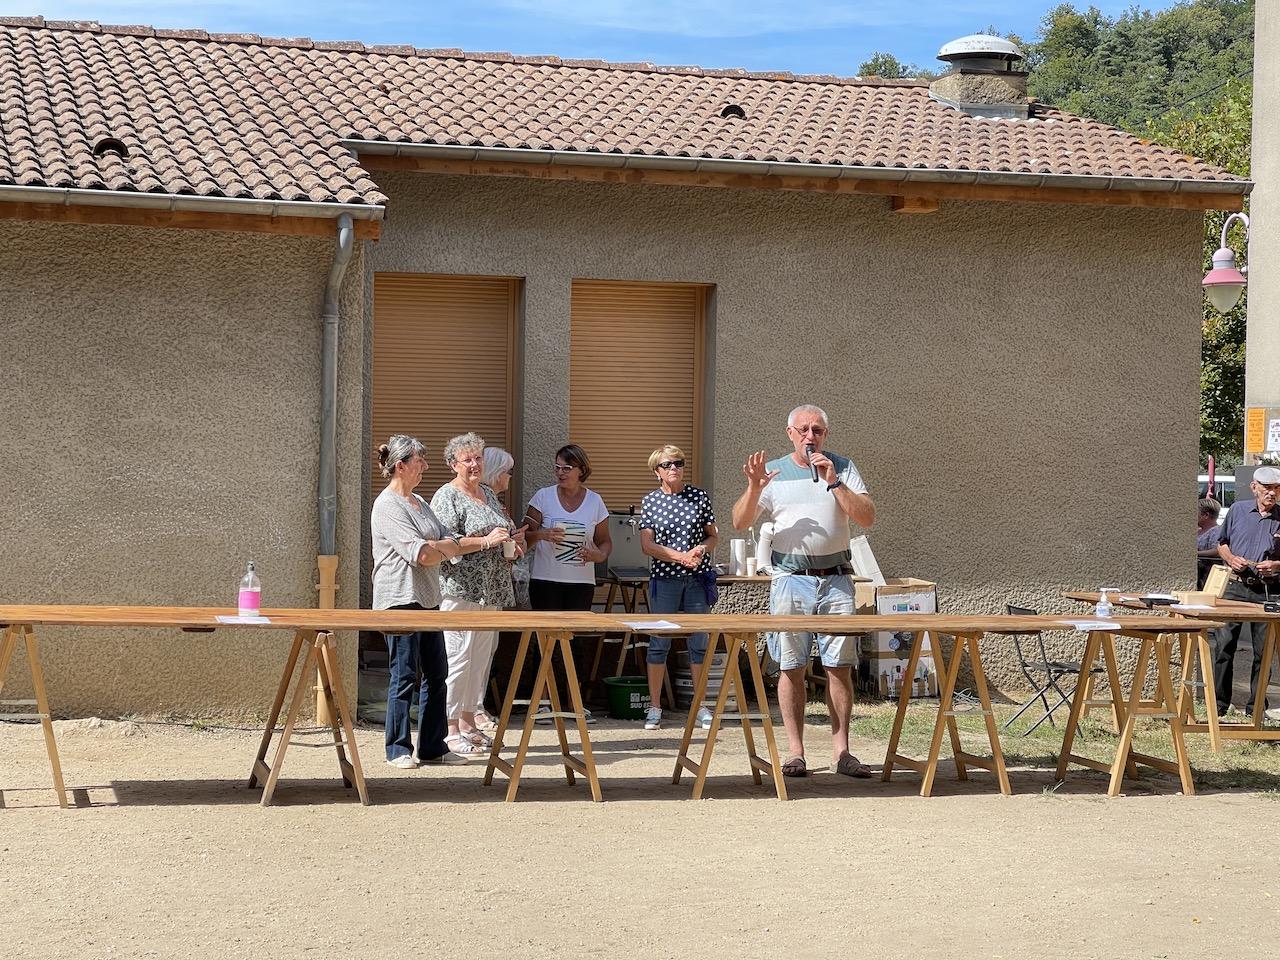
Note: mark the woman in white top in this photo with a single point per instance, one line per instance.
(569, 529)
(479, 580)
(409, 543)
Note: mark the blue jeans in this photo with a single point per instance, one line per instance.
(683, 595)
(418, 663)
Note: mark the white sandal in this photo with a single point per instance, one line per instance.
(463, 746)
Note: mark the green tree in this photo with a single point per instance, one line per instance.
(891, 68)
(1219, 134)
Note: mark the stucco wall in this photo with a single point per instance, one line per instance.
(160, 417)
(1262, 378)
(1018, 383)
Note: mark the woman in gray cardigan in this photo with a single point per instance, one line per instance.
(409, 543)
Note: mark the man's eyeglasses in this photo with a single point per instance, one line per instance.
(668, 464)
(816, 431)
(562, 467)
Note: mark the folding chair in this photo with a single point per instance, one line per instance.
(1053, 670)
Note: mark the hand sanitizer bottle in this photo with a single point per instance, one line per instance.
(1102, 609)
(250, 593)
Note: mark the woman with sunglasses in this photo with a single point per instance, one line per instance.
(678, 534)
(569, 528)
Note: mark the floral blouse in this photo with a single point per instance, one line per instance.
(484, 576)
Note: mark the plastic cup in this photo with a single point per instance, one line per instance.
(509, 549)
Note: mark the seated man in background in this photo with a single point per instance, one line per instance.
(1207, 536)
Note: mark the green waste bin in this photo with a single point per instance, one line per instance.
(628, 697)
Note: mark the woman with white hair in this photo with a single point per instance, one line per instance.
(480, 579)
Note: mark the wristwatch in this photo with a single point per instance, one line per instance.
(836, 485)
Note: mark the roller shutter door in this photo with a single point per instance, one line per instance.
(443, 349)
(635, 381)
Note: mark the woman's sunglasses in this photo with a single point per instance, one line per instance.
(668, 464)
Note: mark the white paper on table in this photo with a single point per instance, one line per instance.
(644, 625)
(1132, 599)
(1159, 596)
(1190, 606)
(237, 619)
(1087, 625)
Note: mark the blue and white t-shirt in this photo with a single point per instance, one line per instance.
(811, 529)
(679, 521)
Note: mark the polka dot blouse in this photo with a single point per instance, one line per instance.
(679, 521)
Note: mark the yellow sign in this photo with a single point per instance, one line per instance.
(1255, 430)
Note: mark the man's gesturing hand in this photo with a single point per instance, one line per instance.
(757, 476)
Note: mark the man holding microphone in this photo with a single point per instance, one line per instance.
(811, 496)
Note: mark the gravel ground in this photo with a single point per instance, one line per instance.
(174, 857)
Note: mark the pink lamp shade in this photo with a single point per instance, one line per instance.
(1224, 283)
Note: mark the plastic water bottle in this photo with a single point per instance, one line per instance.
(1102, 609)
(250, 593)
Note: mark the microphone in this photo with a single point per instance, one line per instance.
(808, 451)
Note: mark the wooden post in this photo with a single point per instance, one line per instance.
(327, 564)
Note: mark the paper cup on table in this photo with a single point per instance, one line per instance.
(752, 566)
(737, 557)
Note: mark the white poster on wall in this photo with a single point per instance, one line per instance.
(1273, 435)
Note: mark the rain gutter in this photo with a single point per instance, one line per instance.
(75, 197)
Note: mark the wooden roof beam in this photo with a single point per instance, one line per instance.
(1165, 199)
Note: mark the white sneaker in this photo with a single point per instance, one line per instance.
(704, 718)
(445, 759)
(543, 715)
(653, 718)
(1272, 714)
(405, 762)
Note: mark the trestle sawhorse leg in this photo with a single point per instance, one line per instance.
(945, 722)
(550, 643)
(771, 766)
(1251, 729)
(321, 653)
(8, 644)
(1154, 649)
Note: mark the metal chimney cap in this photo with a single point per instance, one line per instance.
(980, 45)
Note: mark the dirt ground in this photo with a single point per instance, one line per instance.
(174, 857)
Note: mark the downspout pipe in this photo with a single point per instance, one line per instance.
(328, 499)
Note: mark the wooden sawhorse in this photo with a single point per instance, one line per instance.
(8, 644)
(549, 643)
(948, 671)
(1198, 645)
(734, 645)
(322, 655)
(1164, 705)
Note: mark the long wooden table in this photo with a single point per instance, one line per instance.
(313, 629)
(1201, 649)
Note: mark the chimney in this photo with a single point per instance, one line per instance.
(982, 80)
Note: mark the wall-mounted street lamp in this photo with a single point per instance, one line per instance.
(1224, 283)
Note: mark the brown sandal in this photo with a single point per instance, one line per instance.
(850, 766)
(795, 767)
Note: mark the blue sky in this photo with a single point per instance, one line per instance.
(803, 36)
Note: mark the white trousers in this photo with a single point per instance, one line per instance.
(470, 654)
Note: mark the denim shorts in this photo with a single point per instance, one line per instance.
(792, 594)
(683, 595)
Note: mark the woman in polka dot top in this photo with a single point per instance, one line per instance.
(678, 533)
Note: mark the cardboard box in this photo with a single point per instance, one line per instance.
(884, 653)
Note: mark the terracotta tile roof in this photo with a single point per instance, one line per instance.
(231, 115)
